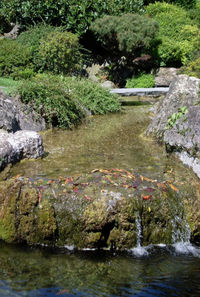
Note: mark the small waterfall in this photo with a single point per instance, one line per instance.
(139, 251)
(181, 231)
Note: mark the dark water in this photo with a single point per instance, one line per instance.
(112, 141)
(39, 272)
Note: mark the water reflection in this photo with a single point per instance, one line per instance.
(40, 272)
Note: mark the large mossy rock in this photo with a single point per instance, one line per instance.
(97, 210)
(177, 119)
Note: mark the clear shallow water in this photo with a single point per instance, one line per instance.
(112, 141)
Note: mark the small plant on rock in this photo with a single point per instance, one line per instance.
(176, 116)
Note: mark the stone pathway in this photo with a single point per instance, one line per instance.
(140, 91)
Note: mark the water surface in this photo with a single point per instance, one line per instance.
(111, 141)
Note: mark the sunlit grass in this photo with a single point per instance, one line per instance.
(9, 85)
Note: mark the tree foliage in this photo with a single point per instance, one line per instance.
(74, 15)
(178, 33)
(128, 35)
(184, 3)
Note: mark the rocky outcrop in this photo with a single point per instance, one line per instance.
(14, 115)
(177, 119)
(165, 76)
(97, 210)
(20, 145)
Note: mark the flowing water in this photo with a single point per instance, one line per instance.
(111, 141)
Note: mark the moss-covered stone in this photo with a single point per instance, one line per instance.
(94, 210)
(9, 195)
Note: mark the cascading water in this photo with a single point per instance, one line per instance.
(139, 251)
(180, 230)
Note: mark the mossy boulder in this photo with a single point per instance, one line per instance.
(96, 210)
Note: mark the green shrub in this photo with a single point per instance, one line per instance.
(60, 52)
(91, 95)
(192, 68)
(32, 37)
(141, 81)
(13, 56)
(47, 95)
(74, 15)
(178, 33)
(194, 13)
(129, 35)
(24, 73)
(63, 101)
(188, 4)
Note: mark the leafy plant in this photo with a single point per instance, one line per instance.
(91, 95)
(13, 56)
(176, 116)
(74, 16)
(141, 81)
(178, 33)
(32, 37)
(53, 101)
(192, 68)
(63, 102)
(60, 52)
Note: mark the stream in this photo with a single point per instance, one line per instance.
(110, 141)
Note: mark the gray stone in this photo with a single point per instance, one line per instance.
(20, 145)
(93, 72)
(165, 76)
(183, 135)
(140, 91)
(14, 115)
(107, 84)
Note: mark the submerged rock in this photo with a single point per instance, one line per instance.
(177, 119)
(96, 210)
(14, 115)
(20, 145)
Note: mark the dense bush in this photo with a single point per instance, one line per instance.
(128, 35)
(60, 52)
(74, 15)
(13, 57)
(47, 95)
(91, 95)
(178, 33)
(194, 13)
(63, 101)
(141, 81)
(32, 37)
(184, 3)
(192, 68)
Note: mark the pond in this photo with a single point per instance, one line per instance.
(110, 141)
